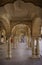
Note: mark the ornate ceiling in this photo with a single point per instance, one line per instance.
(36, 2)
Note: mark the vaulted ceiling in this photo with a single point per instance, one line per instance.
(36, 2)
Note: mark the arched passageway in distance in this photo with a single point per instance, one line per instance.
(5, 22)
(21, 40)
(21, 34)
(4, 30)
(3, 45)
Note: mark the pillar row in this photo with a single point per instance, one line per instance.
(9, 49)
(35, 48)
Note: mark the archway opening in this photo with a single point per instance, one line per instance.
(21, 34)
(4, 29)
(2, 33)
(2, 41)
(21, 41)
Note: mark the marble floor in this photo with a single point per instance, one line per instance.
(20, 56)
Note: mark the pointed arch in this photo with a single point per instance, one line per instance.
(20, 27)
(4, 20)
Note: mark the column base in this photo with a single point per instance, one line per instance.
(29, 47)
(9, 56)
(34, 56)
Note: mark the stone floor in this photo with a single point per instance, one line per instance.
(20, 56)
(28, 61)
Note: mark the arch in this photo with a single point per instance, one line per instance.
(3, 32)
(21, 26)
(21, 29)
(3, 36)
(5, 22)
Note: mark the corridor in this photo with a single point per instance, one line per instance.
(22, 52)
(21, 55)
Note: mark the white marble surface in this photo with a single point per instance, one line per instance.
(21, 51)
(40, 46)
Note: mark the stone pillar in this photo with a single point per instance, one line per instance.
(9, 49)
(29, 37)
(28, 42)
(38, 50)
(35, 48)
(0, 36)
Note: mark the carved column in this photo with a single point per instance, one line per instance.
(9, 49)
(35, 48)
(0, 36)
(29, 40)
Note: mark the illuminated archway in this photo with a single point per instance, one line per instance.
(4, 20)
(4, 32)
(20, 31)
(3, 36)
(6, 24)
